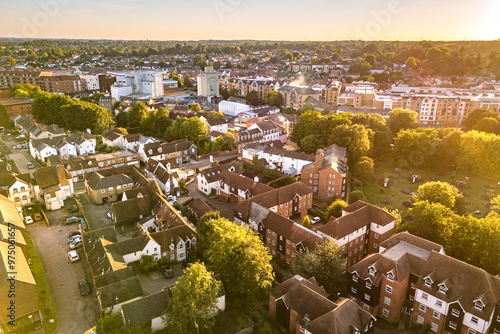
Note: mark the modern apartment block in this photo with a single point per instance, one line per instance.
(413, 276)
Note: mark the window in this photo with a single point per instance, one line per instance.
(353, 289)
(367, 297)
(428, 282)
(385, 312)
(420, 319)
(436, 315)
(387, 301)
(102, 191)
(355, 278)
(478, 305)
(366, 306)
(425, 296)
(118, 187)
(388, 288)
(434, 327)
(439, 303)
(390, 275)
(453, 325)
(377, 235)
(368, 285)
(455, 312)
(471, 331)
(474, 320)
(422, 307)
(172, 256)
(442, 289)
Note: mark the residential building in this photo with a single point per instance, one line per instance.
(148, 309)
(327, 176)
(208, 83)
(167, 180)
(116, 159)
(301, 306)
(359, 231)
(285, 161)
(208, 179)
(37, 131)
(217, 124)
(108, 185)
(239, 187)
(68, 146)
(291, 200)
(113, 138)
(55, 185)
(78, 167)
(11, 214)
(182, 150)
(90, 82)
(107, 102)
(65, 84)
(332, 93)
(17, 106)
(282, 237)
(295, 96)
(18, 188)
(413, 276)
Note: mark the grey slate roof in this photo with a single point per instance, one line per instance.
(146, 308)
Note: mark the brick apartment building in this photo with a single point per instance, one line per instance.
(328, 174)
(16, 106)
(359, 231)
(412, 276)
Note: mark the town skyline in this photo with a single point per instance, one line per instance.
(240, 20)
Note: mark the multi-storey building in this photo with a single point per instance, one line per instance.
(294, 97)
(291, 200)
(301, 306)
(328, 174)
(413, 276)
(181, 149)
(359, 231)
(72, 145)
(66, 84)
(208, 83)
(233, 186)
(147, 84)
(18, 188)
(332, 93)
(16, 106)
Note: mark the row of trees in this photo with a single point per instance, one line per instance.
(67, 113)
(438, 216)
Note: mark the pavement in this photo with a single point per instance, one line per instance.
(20, 156)
(219, 206)
(76, 313)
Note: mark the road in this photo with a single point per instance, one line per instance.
(20, 156)
(194, 193)
(76, 313)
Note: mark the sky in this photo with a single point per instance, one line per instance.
(294, 20)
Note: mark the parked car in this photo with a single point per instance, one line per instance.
(73, 256)
(30, 165)
(84, 287)
(168, 272)
(75, 237)
(19, 146)
(77, 243)
(38, 217)
(83, 226)
(73, 233)
(73, 220)
(73, 208)
(28, 220)
(171, 198)
(315, 220)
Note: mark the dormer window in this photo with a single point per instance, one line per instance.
(172, 247)
(390, 276)
(159, 149)
(428, 282)
(478, 305)
(442, 288)
(371, 271)
(355, 277)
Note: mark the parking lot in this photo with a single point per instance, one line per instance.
(62, 275)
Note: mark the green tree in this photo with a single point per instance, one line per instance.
(275, 99)
(326, 263)
(442, 193)
(416, 147)
(11, 61)
(195, 107)
(356, 195)
(476, 115)
(363, 170)
(381, 135)
(371, 59)
(4, 118)
(222, 242)
(487, 124)
(193, 302)
(412, 62)
(307, 223)
(353, 137)
(362, 68)
(148, 263)
(335, 208)
(187, 81)
(401, 119)
(431, 221)
(136, 114)
(253, 98)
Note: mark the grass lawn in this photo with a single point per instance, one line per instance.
(478, 192)
(43, 294)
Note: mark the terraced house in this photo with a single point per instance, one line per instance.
(359, 231)
(71, 145)
(413, 276)
(18, 188)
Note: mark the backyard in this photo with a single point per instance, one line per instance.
(478, 190)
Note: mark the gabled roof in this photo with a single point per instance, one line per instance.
(356, 219)
(8, 166)
(173, 235)
(119, 292)
(128, 246)
(112, 134)
(145, 309)
(131, 208)
(113, 277)
(97, 181)
(22, 269)
(413, 240)
(9, 213)
(158, 148)
(18, 235)
(243, 183)
(51, 176)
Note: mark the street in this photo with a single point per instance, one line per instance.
(20, 156)
(76, 313)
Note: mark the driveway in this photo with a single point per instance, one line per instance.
(194, 193)
(76, 313)
(96, 214)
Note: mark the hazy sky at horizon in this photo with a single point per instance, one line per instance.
(255, 19)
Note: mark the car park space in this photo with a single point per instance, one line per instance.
(64, 271)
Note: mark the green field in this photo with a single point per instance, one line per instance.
(478, 191)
